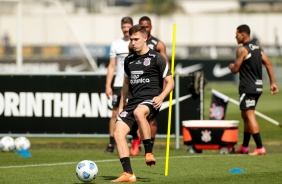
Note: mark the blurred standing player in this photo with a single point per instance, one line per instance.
(157, 45)
(118, 52)
(145, 73)
(249, 61)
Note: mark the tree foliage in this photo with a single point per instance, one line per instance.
(159, 7)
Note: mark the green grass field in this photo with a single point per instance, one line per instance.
(54, 159)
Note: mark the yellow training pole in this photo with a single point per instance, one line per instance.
(170, 102)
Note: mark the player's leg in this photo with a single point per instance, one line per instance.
(115, 103)
(248, 103)
(247, 131)
(244, 148)
(141, 113)
(154, 129)
(111, 146)
(135, 146)
(120, 132)
(255, 131)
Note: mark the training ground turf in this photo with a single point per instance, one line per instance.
(53, 160)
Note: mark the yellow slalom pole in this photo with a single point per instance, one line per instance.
(170, 102)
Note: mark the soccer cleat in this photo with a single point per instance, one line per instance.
(135, 149)
(242, 150)
(259, 151)
(125, 177)
(149, 159)
(110, 148)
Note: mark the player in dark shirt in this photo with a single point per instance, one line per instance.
(157, 45)
(145, 72)
(249, 60)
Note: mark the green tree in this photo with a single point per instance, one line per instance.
(159, 7)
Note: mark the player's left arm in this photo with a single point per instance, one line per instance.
(169, 81)
(158, 100)
(268, 66)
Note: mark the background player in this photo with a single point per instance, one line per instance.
(249, 61)
(119, 50)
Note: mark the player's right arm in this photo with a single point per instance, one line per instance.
(241, 55)
(110, 76)
(124, 94)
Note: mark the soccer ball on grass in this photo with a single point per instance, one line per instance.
(22, 143)
(7, 144)
(86, 170)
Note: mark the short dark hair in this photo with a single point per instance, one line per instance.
(137, 28)
(244, 29)
(144, 18)
(126, 20)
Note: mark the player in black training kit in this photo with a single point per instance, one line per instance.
(249, 60)
(145, 72)
(157, 45)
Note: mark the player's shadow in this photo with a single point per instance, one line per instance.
(139, 179)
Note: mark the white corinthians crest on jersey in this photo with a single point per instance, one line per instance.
(147, 61)
(206, 136)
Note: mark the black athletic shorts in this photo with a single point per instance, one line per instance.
(116, 96)
(248, 101)
(127, 115)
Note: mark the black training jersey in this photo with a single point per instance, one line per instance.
(146, 74)
(251, 70)
(152, 43)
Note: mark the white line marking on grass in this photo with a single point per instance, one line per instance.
(101, 161)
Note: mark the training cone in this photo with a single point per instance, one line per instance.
(236, 171)
(25, 154)
(19, 152)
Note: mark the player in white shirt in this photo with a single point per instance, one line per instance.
(118, 52)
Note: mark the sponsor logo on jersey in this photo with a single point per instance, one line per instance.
(253, 47)
(258, 82)
(154, 41)
(147, 61)
(131, 55)
(137, 72)
(134, 76)
(250, 103)
(139, 81)
(138, 62)
(154, 55)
